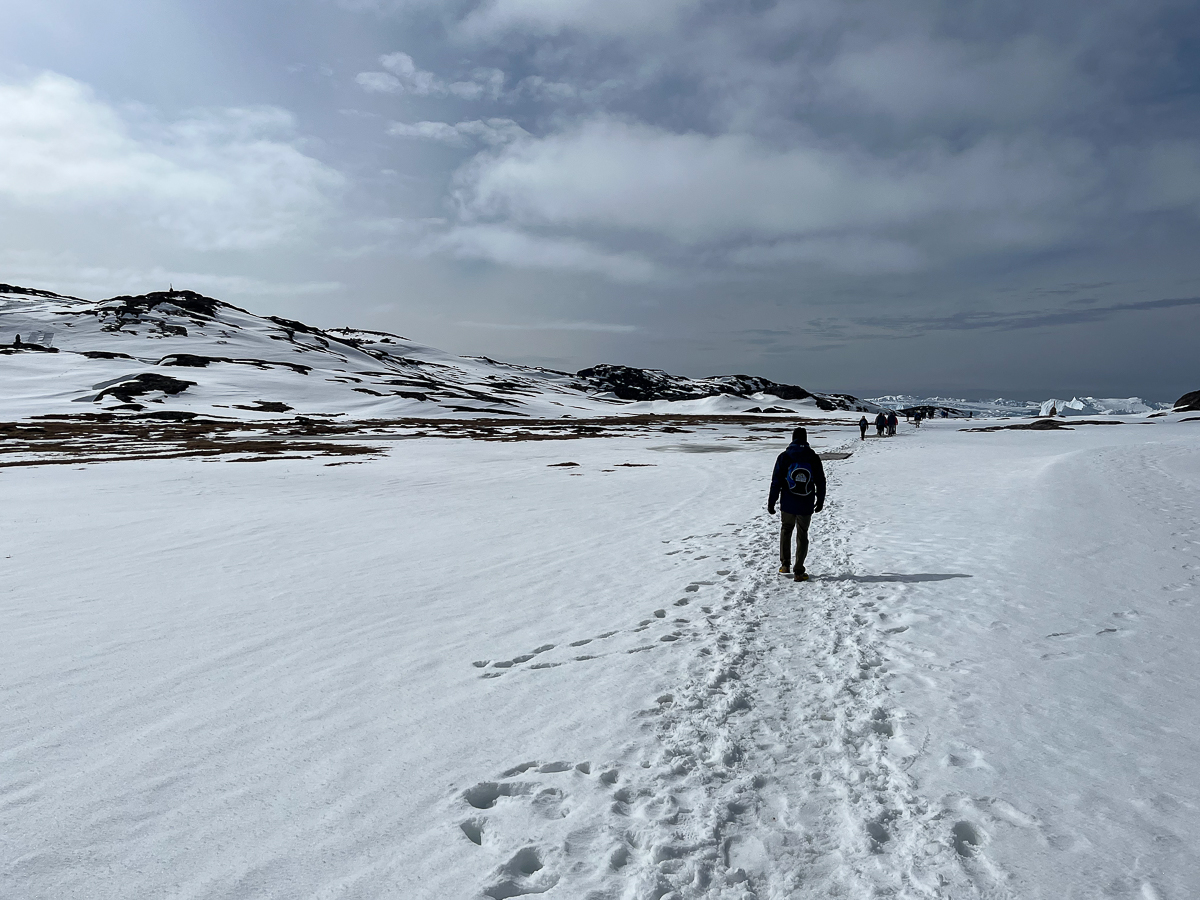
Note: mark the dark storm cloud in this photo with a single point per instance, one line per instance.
(915, 326)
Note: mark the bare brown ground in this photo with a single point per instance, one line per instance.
(108, 437)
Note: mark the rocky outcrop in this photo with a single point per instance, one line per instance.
(629, 383)
(1188, 402)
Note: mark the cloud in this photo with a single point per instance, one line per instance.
(852, 253)
(527, 251)
(555, 326)
(540, 88)
(490, 131)
(228, 178)
(379, 82)
(696, 188)
(917, 77)
(415, 80)
(1169, 177)
(601, 17)
(485, 83)
(67, 275)
(404, 77)
(986, 320)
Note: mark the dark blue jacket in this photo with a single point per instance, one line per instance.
(789, 502)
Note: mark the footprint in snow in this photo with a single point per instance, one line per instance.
(485, 794)
(522, 875)
(966, 838)
(529, 870)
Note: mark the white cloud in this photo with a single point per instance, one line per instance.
(379, 82)
(490, 131)
(602, 17)
(415, 80)
(487, 83)
(405, 77)
(696, 188)
(511, 247)
(230, 178)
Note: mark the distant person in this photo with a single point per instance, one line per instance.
(880, 424)
(862, 428)
(798, 483)
(917, 419)
(17, 341)
(892, 423)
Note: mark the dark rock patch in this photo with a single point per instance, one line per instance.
(272, 406)
(1189, 402)
(104, 354)
(24, 347)
(1046, 425)
(191, 360)
(169, 415)
(1035, 425)
(188, 360)
(146, 383)
(126, 306)
(33, 292)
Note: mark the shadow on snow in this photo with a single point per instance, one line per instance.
(891, 577)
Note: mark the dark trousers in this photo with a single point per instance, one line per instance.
(792, 522)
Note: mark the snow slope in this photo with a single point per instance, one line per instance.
(181, 353)
(461, 669)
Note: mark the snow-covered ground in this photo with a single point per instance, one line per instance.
(459, 669)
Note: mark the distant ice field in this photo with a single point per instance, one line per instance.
(463, 669)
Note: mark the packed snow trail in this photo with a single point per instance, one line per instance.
(775, 769)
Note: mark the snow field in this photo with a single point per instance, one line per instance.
(1054, 692)
(259, 680)
(461, 670)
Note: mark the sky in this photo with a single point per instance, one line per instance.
(881, 196)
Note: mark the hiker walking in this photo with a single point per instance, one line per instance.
(892, 423)
(798, 483)
(862, 428)
(880, 424)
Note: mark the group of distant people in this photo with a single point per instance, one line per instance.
(885, 425)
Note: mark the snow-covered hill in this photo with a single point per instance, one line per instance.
(175, 353)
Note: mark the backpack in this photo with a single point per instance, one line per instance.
(800, 479)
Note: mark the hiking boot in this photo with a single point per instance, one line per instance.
(801, 575)
(785, 570)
